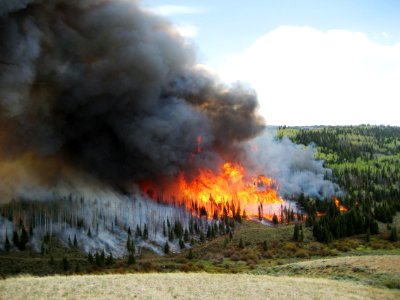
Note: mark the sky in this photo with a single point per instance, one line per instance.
(311, 62)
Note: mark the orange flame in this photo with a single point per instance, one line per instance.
(338, 205)
(231, 187)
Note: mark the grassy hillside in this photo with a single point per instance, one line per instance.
(378, 270)
(186, 286)
(262, 248)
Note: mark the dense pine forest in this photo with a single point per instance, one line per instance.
(365, 161)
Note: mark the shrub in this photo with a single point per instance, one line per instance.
(301, 253)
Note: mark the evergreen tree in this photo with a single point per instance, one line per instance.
(43, 248)
(89, 233)
(190, 255)
(215, 215)
(170, 235)
(181, 244)
(7, 244)
(232, 223)
(202, 237)
(130, 245)
(131, 259)
(275, 219)
(138, 232)
(393, 234)
(374, 227)
(23, 239)
(97, 259)
(90, 257)
(296, 234)
(77, 268)
(15, 238)
(75, 242)
(309, 221)
(238, 217)
(166, 248)
(203, 212)
(145, 232)
(208, 232)
(65, 264)
(110, 259)
(214, 230)
(164, 229)
(301, 234)
(186, 236)
(133, 248)
(103, 257)
(265, 245)
(178, 229)
(129, 231)
(241, 244)
(292, 215)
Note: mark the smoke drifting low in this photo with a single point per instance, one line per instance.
(293, 166)
(105, 89)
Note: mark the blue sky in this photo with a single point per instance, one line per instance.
(311, 62)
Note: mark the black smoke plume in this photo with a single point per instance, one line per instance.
(108, 90)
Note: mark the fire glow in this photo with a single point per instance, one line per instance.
(339, 206)
(231, 187)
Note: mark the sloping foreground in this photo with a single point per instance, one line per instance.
(389, 264)
(186, 286)
(377, 270)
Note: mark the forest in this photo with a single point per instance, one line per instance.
(365, 162)
(96, 237)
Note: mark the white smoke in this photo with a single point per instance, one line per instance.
(293, 166)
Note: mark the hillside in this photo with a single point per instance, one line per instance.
(356, 263)
(378, 270)
(365, 163)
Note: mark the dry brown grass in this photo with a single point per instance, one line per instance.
(375, 263)
(376, 270)
(186, 286)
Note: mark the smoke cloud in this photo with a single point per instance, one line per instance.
(103, 89)
(293, 166)
(96, 95)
